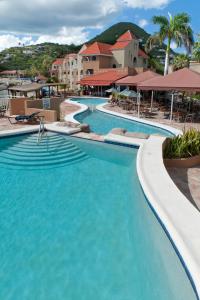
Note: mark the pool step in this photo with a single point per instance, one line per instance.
(53, 150)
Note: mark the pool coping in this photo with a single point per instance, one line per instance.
(70, 117)
(21, 130)
(179, 218)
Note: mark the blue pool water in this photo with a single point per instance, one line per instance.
(102, 123)
(74, 224)
(89, 101)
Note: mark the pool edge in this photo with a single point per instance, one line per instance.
(171, 208)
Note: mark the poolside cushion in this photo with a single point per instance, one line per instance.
(119, 131)
(138, 135)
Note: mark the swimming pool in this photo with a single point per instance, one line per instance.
(89, 101)
(102, 123)
(75, 224)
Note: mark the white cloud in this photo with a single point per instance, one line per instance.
(61, 21)
(48, 16)
(146, 4)
(143, 22)
(10, 40)
(65, 36)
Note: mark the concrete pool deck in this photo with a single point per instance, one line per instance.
(188, 182)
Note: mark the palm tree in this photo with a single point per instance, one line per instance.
(175, 29)
(181, 61)
(196, 50)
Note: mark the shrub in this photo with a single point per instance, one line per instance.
(183, 146)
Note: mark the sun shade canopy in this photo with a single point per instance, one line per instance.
(181, 80)
(136, 79)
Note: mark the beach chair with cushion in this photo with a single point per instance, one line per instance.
(25, 118)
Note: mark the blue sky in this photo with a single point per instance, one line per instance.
(192, 7)
(76, 21)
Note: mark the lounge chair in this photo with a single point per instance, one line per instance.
(22, 118)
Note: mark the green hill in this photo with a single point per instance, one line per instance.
(111, 34)
(26, 57)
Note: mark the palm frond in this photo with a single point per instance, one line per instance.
(152, 41)
(160, 20)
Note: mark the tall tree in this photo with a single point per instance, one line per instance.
(173, 29)
(196, 50)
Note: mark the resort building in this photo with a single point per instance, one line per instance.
(123, 58)
(12, 74)
(70, 71)
(123, 54)
(55, 68)
(195, 66)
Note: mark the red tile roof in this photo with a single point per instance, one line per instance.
(123, 41)
(136, 79)
(103, 79)
(120, 45)
(142, 53)
(181, 80)
(9, 72)
(127, 36)
(97, 48)
(58, 61)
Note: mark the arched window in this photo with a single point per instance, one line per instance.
(134, 60)
(114, 66)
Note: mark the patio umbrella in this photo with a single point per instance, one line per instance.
(111, 90)
(129, 93)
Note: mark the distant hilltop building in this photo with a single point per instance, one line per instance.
(12, 73)
(124, 56)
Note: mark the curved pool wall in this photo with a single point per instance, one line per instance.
(77, 237)
(179, 218)
(96, 119)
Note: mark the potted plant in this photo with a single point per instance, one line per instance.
(183, 150)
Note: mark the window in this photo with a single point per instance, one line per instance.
(94, 58)
(114, 66)
(89, 71)
(134, 60)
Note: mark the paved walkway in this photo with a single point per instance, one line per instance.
(188, 181)
(6, 125)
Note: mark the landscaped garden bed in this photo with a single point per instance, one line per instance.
(183, 151)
